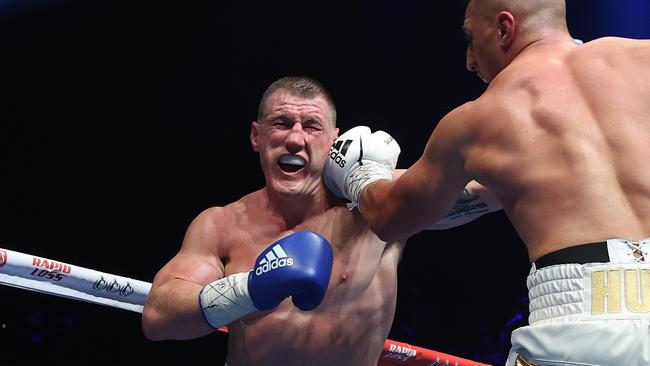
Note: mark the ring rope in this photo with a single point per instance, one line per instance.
(52, 277)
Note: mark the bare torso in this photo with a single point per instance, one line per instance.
(352, 323)
(562, 137)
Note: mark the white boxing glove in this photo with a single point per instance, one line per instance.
(358, 158)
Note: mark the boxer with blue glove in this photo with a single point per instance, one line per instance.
(354, 305)
(298, 265)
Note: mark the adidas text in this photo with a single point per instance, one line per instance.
(338, 158)
(269, 266)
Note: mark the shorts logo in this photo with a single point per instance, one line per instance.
(3, 257)
(273, 259)
(620, 291)
(338, 151)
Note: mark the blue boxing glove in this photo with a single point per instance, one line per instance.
(298, 265)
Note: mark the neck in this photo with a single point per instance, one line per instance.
(527, 42)
(292, 211)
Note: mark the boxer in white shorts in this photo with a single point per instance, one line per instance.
(561, 136)
(589, 303)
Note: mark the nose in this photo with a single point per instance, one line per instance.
(296, 139)
(470, 62)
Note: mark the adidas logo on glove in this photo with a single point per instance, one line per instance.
(357, 158)
(274, 259)
(338, 150)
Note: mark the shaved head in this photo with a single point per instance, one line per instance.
(498, 30)
(530, 13)
(299, 86)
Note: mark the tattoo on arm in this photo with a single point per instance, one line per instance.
(468, 206)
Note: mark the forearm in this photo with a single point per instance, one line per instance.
(172, 311)
(412, 214)
(376, 211)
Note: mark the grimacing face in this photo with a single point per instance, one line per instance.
(293, 140)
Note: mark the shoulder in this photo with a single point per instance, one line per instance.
(214, 227)
(462, 115)
(636, 49)
(458, 127)
(596, 50)
(616, 41)
(205, 232)
(226, 218)
(213, 219)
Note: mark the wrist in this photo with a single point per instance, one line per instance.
(364, 175)
(226, 299)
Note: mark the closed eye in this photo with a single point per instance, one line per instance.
(312, 125)
(283, 122)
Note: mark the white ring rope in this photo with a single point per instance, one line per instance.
(40, 274)
(44, 275)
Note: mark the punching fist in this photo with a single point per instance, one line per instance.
(358, 158)
(298, 265)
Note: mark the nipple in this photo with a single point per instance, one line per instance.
(344, 277)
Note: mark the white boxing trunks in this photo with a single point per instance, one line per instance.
(589, 305)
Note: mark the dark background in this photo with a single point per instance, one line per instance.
(121, 120)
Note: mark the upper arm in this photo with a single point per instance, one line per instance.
(428, 189)
(172, 309)
(198, 259)
(436, 180)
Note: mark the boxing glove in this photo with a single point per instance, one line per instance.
(298, 265)
(358, 158)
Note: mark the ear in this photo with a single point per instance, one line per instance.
(507, 28)
(254, 136)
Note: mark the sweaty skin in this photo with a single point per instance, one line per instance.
(561, 136)
(351, 324)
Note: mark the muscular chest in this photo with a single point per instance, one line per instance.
(357, 252)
